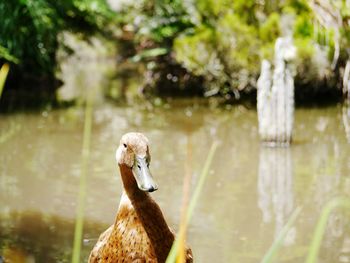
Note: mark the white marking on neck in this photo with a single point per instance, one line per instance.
(125, 201)
(122, 224)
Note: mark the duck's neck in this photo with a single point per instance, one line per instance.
(149, 214)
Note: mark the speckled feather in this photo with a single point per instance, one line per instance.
(140, 233)
(124, 241)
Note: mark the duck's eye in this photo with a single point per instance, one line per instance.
(125, 145)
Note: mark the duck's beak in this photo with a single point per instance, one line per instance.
(142, 174)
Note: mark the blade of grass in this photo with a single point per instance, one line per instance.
(205, 171)
(270, 254)
(3, 75)
(185, 193)
(14, 128)
(338, 202)
(79, 222)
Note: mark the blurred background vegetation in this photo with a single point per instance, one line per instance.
(176, 47)
(53, 53)
(29, 41)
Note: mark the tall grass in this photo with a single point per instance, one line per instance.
(14, 127)
(337, 202)
(186, 194)
(3, 75)
(271, 253)
(177, 250)
(79, 222)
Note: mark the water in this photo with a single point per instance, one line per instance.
(249, 194)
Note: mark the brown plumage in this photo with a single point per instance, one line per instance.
(140, 232)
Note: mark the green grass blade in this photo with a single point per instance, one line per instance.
(181, 255)
(201, 181)
(205, 171)
(3, 75)
(79, 222)
(271, 253)
(338, 202)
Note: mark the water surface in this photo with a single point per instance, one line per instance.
(249, 194)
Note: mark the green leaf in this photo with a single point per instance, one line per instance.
(4, 53)
(149, 53)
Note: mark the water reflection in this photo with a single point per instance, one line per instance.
(30, 236)
(328, 178)
(87, 66)
(336, 241)
(40, 167)
(275, 187)
(346, 121)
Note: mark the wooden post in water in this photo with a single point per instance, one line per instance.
(346, 81)
(346, 120)
(275, 97)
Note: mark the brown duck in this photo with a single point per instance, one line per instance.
(140, 233)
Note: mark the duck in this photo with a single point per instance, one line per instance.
(140, 232)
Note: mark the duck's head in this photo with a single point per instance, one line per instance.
(133, 152)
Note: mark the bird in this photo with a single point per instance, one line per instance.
(140, 232)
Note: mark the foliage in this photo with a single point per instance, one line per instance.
(270, 29)
(29, 31)
(168, 19)
(148, 31)
(300, 6)
(222, 56)
(4, 53)
(155, 21)
(228, 58)
(214, 46)
(192, 51)
(303, 27)
(240, 42)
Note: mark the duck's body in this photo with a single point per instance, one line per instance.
(126, 240)
(140, 232)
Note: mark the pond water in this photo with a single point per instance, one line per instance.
(249, 195)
